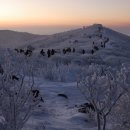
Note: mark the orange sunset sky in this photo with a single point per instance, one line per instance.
(51, 16)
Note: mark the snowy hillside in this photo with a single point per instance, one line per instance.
(117, 48)
(83, 36)
(12, 39)
(75, 80)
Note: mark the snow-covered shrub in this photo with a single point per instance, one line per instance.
(16, 101)
(62, 73)
(55, 73)
(121, 114)
(2, 123)
(61, 60)
(103, 89)
(90, 59)
(77, 61)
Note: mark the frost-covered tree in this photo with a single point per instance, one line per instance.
(17, 101)
(102, 89)
(121, 113)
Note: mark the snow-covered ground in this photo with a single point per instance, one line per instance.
(59, 113)
(58, 74)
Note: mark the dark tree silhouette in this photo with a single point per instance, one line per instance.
(64, 51)
(96, 48)
(52, 52)
(102, 45)
(17, 50)
(21, 51)
(86, 108)
(83, 51)
(68, 49)
(73, 49)
(35, 93)
(92, 51)
(49, 53)
(28, 52)
(1, 70)
(14, 77)
(42, 52)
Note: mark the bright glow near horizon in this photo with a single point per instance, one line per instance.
(47, 13)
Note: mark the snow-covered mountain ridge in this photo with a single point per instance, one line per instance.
(97, 41)
(22, 38)
(59, 69)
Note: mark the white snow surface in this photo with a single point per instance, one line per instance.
(58, 113)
